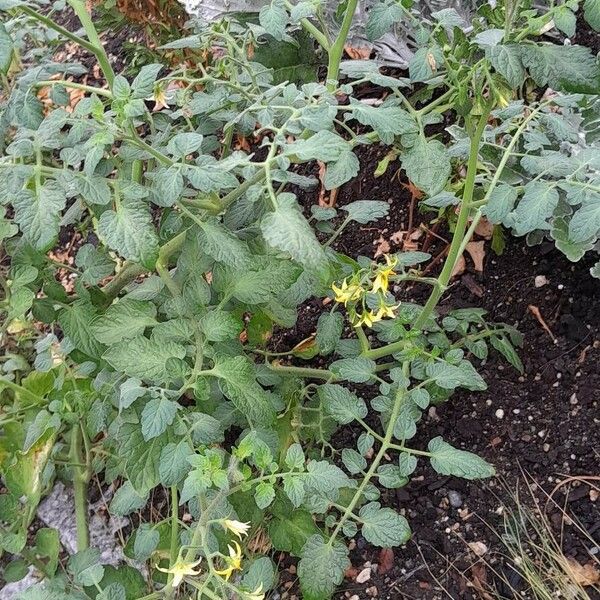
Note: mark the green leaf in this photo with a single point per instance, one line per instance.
(321, 568)
(123, 320)
(290, 529)
(386, 121)
(506, 59)
(38, 214)
(427, 165)
(447, 460)
(86, 568)
(353, 461)
(294, 457)
(95, 265)
(341, 404)
(222, 245)
(168, 185)
(536, 206)
(238, 382)
(266, 279)
(503, 345)
(324, 145)
(572, 68)
(144, 358)
(565, 20)
(127, 500)
(219, 326)
(184, 143)
(274, 18)
(501, 202)
(146, 542)
(323, 477)
(287, 230)
(294, 489)
(342, 170)
(329, 331)
(113, 591)
(264, 494)
(173, 464)
(356, 370)
(130, 232)
(391, 476)
(382, 16)
(140, 457)
(585, 223)
(6, 49)
(366, 211)
(591, 13)
(157, 415)
(383, 527)
(76, 321)
(43, 422)
(261, 573)
(574, 251)
(143, 84)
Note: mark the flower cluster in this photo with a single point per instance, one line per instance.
(366, 294)
(232, 563)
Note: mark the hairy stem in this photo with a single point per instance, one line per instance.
(80, 481)
(337, 49)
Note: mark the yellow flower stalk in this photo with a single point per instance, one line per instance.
(234, 562)
(382, 279)
(236, 527)
(180, 570)
(346, 293)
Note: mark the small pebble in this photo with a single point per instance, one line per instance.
(540, 281)
(499, 414)
(364, 575)
(455, 499)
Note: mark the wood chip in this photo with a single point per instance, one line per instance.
(386, 560)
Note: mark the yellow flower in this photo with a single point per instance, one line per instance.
(381, 281)
(386, 311)
(234, 561)
(347, 293)
(367, 318)
(236, 527)
(180, 569)
(257, 594)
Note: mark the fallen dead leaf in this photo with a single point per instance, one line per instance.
(358, 52)
(397, 237)
(484, 229)
(386, 560)
(476, 251)
(459, 267)
(584, 575)
(383, 246)
(478, 548)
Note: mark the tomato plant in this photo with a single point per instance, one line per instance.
(146, 362)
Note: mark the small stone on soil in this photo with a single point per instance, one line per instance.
(455, 499)
(364, 575)
(499, 414)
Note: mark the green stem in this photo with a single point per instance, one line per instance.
(337, 49)
(319, 36)
(23, 392)
(460, 228)
(385, 444)
(52, 25)
(76, 86)
(96, 45)
(174, 548)
(303, 372)
(80, 481)
(124, 277)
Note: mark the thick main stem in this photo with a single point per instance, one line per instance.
(337, 49)
(97, 47)
(80, 483)
(461, 227)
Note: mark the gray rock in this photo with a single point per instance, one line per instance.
(455, 499)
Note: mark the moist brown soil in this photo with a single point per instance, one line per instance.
(538, 429)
